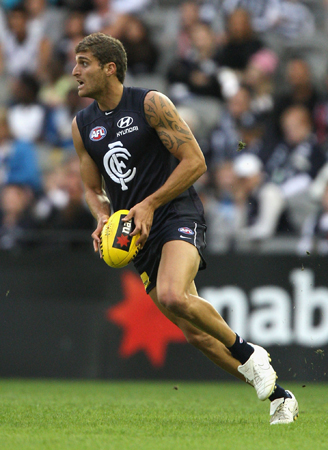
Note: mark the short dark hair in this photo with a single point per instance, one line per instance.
(106, 49)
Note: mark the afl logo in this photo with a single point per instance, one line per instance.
(125, 122)
(97, 133)
(186, 230)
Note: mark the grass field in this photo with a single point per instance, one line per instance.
(78, 415)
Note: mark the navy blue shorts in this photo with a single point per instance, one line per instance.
(148, 259)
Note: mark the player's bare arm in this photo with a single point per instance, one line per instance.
(177, 137)
(175, 134)
(95, 195)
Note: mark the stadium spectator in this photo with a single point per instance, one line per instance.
(53, 198)
(100, 17)
(54, 89)
(120, 12)
(295, 20)
(264, 13)
(241, 42)
(296, 159)
(16, 201)
(18, 159)
(220, 207)
(22, 50)
(197, 124)
(260, 204)
(177, 27)
(210, 11)
(27, 117)
(225, 137)
(314, 233)
(197, 73)
(259, 78)
(75, 214)
(60, 132)
(44, 20)
(287, 18)
(189, 15)
(69, 54)
(62, 206)
(73, 31)
(141, 50)
(251, 132)
(299, 89)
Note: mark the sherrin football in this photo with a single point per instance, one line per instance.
(118, 248)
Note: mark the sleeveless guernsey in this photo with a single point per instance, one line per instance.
(132, 159)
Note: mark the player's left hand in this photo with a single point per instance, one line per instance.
(142, 214)
(96, 234)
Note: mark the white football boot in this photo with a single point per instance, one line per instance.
(259, 373)
(283, 410)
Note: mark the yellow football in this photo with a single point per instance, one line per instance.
(118, 248)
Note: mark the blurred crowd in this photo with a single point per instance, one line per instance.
(248, 76)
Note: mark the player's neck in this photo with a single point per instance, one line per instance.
(111, 97)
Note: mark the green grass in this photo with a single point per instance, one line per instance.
(78, 415)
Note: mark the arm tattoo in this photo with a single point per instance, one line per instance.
(179, 142)
(162, 115)
(166, 139)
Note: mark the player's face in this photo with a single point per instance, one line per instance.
(90, 76)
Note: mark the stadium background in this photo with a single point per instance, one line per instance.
(63, 312)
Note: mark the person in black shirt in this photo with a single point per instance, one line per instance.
(135, 140)
(242, 43)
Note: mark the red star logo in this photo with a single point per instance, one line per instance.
(123, 240)
(145, 328)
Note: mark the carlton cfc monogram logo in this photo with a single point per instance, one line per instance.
(115, 167)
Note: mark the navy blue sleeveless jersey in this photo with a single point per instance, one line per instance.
(132, 159)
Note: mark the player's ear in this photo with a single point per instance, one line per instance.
(110, 69)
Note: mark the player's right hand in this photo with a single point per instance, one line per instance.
(143, 214)
(96, 234)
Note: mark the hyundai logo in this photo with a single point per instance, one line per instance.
(125, 122)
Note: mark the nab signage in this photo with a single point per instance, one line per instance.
(269, 315)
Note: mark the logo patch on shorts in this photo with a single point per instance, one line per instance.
(185, 230)
(97, 133)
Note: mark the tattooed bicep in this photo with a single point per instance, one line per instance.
(162, 115)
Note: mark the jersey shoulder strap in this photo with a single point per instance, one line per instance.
(133, 99)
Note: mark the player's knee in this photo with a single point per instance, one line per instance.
(174, 301)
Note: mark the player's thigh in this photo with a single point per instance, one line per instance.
(178, 267)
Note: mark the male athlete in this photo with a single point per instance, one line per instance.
(135, 141)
